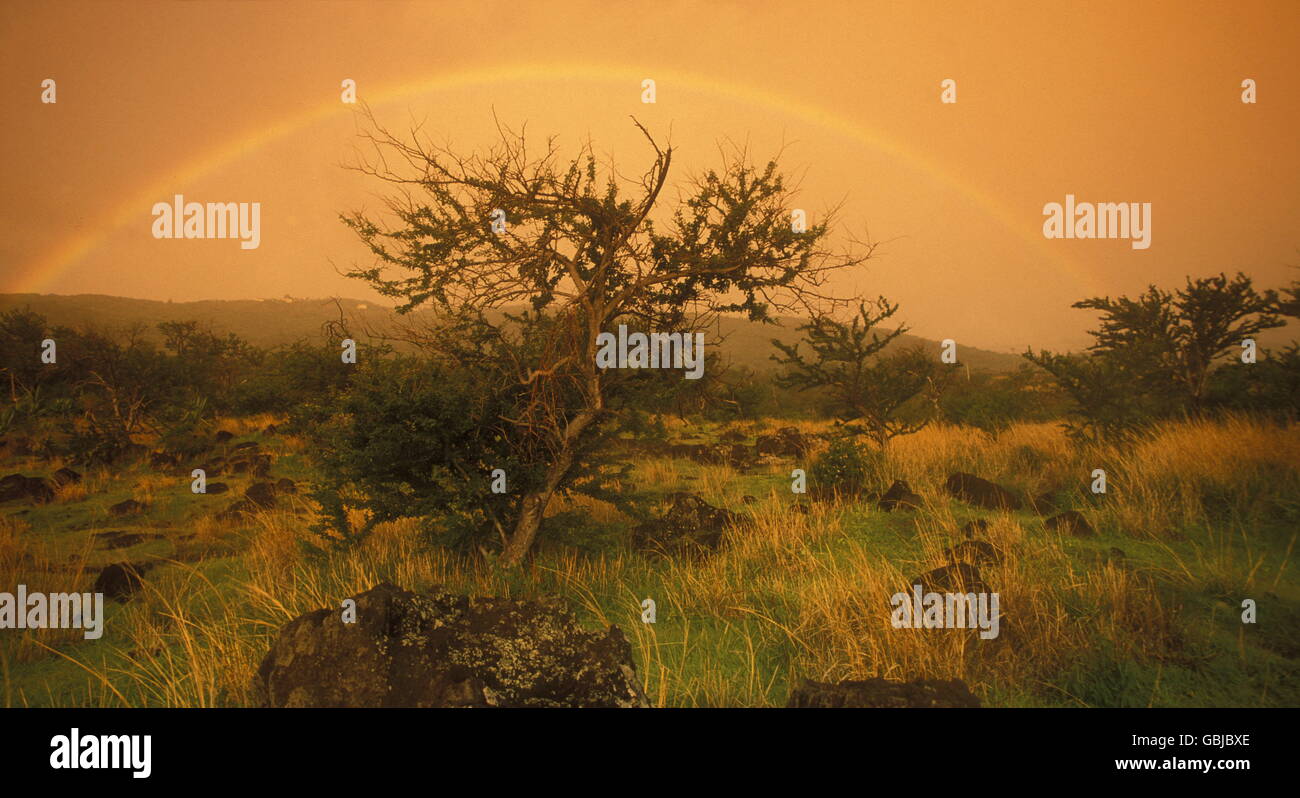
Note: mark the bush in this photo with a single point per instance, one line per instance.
(844, 469)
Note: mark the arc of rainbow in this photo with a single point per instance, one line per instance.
(66, 254)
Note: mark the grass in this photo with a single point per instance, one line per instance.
(1205, 513)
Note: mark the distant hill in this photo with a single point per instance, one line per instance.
(271, 322)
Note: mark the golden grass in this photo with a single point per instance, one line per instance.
(791, 595)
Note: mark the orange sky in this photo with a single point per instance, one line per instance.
(1111, 102)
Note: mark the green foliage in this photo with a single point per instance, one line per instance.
(993, 402)
(412, 439)
(886, 395)
(844, 468)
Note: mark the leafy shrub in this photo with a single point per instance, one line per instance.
(844, 469)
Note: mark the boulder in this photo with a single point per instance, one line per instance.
(785, 442)
(899, 496)
(262, 494)
(128, 507)
(121, 579)
(1071, 522)
(879, 693)
(980, 492)
(16, 486)
(437, 649)
(690, 525)
(65, 476)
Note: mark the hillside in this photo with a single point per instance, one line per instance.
(270, 322)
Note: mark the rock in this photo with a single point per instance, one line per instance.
(732, 436)
(216, 488)
(285, 485)
(690, 525)
(442, 650)
(269, 429)
(979, 552)
(785, 442)
(1071, 521)
(17, 486)
(899, 496)
(879, 693)
(65, 476)
(801, 508)
(980, 492)
(128, 507)
(971, 528)
(246, 446)
(749, 499)
(955, 578)
(223, 436)
(262, 494)
(121, 579)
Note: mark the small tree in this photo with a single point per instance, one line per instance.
(574, 242)
(880, 395)
(1176, 338)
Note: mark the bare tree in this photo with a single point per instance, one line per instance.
(577, 243)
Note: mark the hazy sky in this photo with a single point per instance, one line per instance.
(1110, 102)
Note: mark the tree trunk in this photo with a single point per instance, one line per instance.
(533, 507)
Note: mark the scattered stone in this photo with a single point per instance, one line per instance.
(65, 476)
(689, 526)
(128, 507)
(801, 508)
(262, 494)
(879, 693)
(224, 435)
(900, 496)
(17, 486)
(971, 528)
(1071, 521)
(285, 485)
(980, 492)
(216, 488)
(442, 650)
(245, 446)
(732, 436)
(269, 429)
(955, 578)
(785, 442)
(121, 579)
(749, 499)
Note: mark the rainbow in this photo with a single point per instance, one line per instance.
(44, 270)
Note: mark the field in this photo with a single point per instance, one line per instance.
(1197, 518)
